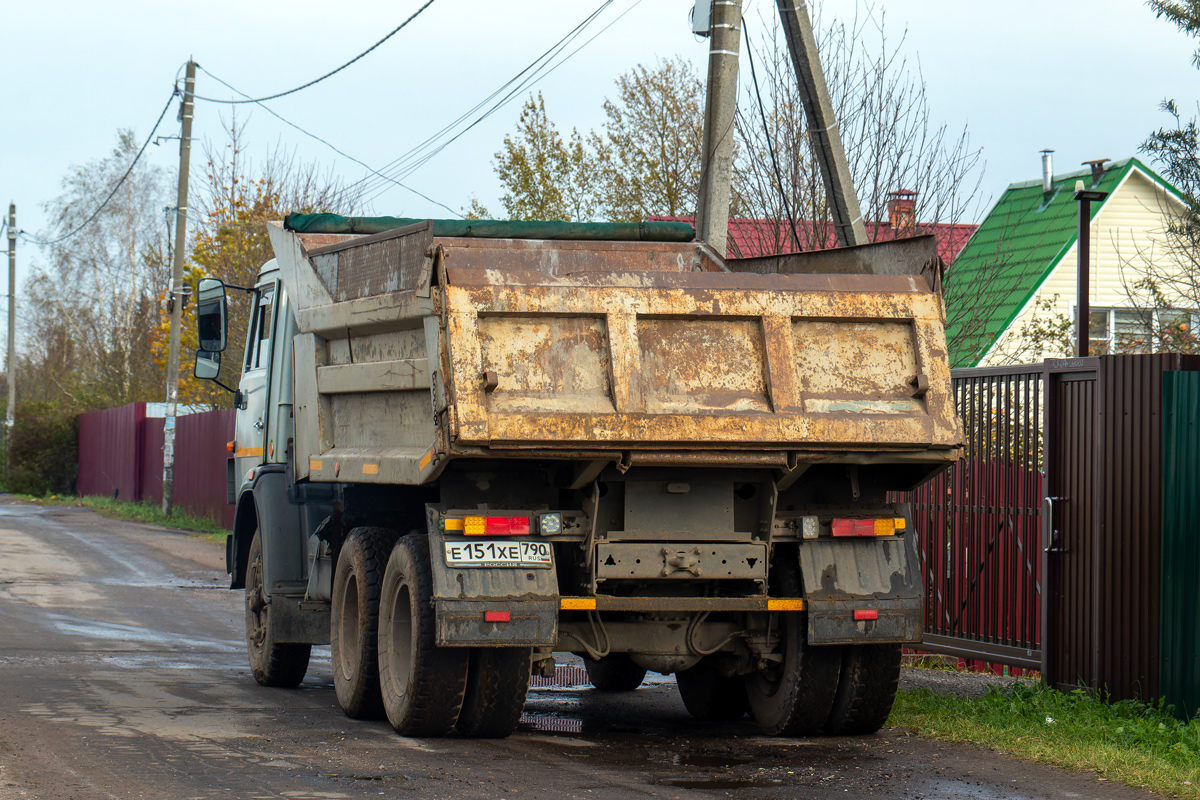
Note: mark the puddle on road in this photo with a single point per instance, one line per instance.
(709, 759)
(723, 783)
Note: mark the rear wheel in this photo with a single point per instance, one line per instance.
(709, 695)
(614, 673)
(794, 694)
(271, 663)
(422, 684)
(355, 614)
(866, 689)
(497, 682)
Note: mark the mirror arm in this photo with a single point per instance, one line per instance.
(239, 288)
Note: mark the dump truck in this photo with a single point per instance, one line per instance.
(464, 447)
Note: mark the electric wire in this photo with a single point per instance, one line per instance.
(536, 71)
(400, 160)
(174, 92)
(329, 145)
(766, 132)
(315, 81)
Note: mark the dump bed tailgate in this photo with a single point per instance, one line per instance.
(678, 360)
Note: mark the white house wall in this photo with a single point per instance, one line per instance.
(1127, 229)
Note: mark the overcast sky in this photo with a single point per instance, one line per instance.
(1083, 77)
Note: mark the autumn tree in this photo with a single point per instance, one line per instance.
(236, 200)
(544, 176)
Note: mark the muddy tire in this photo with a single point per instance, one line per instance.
(272, 664)
(793, 697)
(497, 682)
(422, 684)
(709, 695)
(357, 580)
(866, 689)
(614, 673)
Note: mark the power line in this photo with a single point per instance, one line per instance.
(539, 68)
(329, 145)
(767, 133)
(315, 81)
(120, 182)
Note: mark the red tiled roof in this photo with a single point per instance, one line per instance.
(750, 238)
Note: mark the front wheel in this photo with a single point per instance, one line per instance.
(422, 684)
(271, 663)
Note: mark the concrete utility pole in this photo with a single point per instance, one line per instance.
(10, 417)
(822, 125)
(175, 294)
(716, 169)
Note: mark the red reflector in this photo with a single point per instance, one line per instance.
(853, 527)
(865, 613)
(497, 616)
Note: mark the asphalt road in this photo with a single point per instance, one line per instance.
(122, 675)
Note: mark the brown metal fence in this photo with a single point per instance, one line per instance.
(979, 524)
(120, 450)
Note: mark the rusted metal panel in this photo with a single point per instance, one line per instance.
(689, 360)
(897, 257)
(378, 264)
(374, 376)
(680, 560)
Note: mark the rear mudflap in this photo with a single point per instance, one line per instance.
(860, 591)
(492, 606)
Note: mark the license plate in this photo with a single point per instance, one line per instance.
(498, 553)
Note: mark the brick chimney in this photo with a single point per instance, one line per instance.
(901, 207)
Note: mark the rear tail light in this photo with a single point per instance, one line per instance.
(495, 526)
(868, 527)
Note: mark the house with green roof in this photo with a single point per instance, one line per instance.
(1016, 278)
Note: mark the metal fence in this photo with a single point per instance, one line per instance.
(120, 453)
(978, 523)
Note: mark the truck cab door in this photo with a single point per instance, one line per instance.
(252, 420)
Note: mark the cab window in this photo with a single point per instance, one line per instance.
(258, 354)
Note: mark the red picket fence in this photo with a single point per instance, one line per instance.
(120, 450)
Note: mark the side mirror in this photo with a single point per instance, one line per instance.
(210, 318)
(208, 365)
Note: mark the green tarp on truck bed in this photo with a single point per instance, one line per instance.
(499, 229)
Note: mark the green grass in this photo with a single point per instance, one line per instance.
(138, 512)
(1126, 741)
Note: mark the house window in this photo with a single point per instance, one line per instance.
(1137, 330)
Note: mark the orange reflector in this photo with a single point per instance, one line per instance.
(494, 526)
(577, 603)
(497, 616)
(900, 523)
(231, 446)
(453, 524)
(865, 614)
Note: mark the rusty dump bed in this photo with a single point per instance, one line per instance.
(423, 348)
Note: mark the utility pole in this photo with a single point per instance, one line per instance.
(822, 125)
(716, 169)
(10, 416)
(175, 294)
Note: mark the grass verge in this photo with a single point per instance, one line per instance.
(138, 512)
(1127, 741)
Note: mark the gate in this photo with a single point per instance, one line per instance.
(1042, 547)
(979, 521)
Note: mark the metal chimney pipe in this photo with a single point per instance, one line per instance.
(1047, 171)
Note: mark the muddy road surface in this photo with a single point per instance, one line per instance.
(123, 675)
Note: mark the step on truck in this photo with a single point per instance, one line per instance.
(464, 447)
